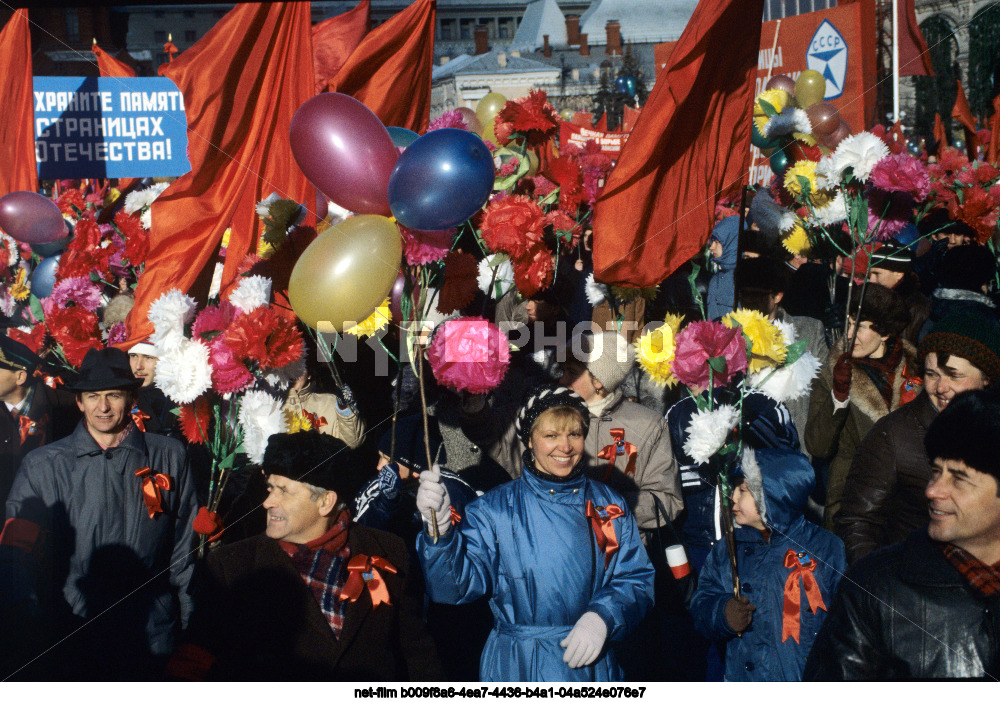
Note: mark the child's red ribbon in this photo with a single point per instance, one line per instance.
(802, 566)
(364, 572)
(152, 483)
(601, 519)
(619, 447)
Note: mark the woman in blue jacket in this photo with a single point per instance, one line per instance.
(559, 555)
(789, 569)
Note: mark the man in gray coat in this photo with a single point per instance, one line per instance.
(106, 516)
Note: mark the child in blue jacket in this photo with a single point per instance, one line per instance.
(788, 568)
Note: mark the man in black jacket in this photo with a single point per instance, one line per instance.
(316, 597)
(930, 607)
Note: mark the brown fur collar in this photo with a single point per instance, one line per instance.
(865, 397)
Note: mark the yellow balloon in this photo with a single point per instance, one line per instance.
(346, 272)
(488, 108)
(567, 114)
(489, 134)
(810, 88)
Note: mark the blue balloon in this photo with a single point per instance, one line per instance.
(401, 136)
(51, 248)
(631, 86)
(441, 180)
(621, 85)
(44, 277)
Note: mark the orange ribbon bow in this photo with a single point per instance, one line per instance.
(28, 427)
(316, 422)
(152, 483)
(455, 516)
(139, 417)
(601, 519)
(618, 448)
(802, 566)
(364, 573)
(53, 381)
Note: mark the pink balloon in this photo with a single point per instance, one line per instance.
(781, 81)
(839, 134)
(824, 118)
(470, 118)
(343, 148)
(31, 218)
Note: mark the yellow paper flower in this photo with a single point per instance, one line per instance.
(797, 241)
(807, 139)
(225, 237)
(775, 97)
(767, 342)
(376, 320)
(655, 352)
(674, 321)
(297, 421)
(111, 196)
(265, 249)
(804, 168)
(19, 289)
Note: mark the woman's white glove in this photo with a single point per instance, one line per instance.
(433, 500)
(585, 641)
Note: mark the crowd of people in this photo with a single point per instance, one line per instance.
(530, 533)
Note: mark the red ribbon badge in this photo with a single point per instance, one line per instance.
(802, 566)
(601, 519)
(364, 572)
(28, 427)
(53, 381)
(139, 417)
(618, 448)
(152, 483)
(455, 516)
(315, 421)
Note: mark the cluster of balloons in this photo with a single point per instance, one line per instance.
(806, 91)
(627, 86)
(34, 219)
(438, 181)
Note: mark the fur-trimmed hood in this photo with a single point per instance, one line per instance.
(780, 482)
(864, 396)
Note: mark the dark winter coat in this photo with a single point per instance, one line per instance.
(883, 498)
(256, 615)
(759, 654)
(906, 613)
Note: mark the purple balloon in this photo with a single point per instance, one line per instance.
(31, 218)
(783, 82)
(343, 148)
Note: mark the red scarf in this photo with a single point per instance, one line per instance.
(984, 578)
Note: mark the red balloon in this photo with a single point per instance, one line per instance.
(343, 148)
(31, 218)
(470, 118)
(824, 118)
(839, 134)
(783, 82)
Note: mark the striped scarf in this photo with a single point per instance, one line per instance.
(984, 578)
(321, 565)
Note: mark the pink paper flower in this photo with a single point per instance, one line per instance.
(228, 374)
(885, 222)
(902, 173)
(700, 341)
(469, 354)
(451, 118)
(78, 290)
(420, 248)
(117, 334)
(213, 319)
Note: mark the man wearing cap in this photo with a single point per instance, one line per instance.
(113, 507)
(316, 597)
(928, 608)
(883, 498)
(33, 413)
(891, 267)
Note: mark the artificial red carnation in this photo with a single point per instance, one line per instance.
(136, 237)
(986, 173)
(75, 330)
(460, 282)
(213, 319)
(228, 373)
(264, 336)
(565, 227)
(531, 116)
(952, 159)
(977, 210)
(565, 172)
(70, 199)
(512, 224)
(533, 272)
(195, 419)
(86, 235)
(34, 340)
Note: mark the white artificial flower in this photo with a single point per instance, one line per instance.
(168, 314)
(265, 205)
(787, 221)
(789, 382)
(7, 303)
(282, 377)
(827, 175)
(502, 279)
(260, 417)
(185, 372)
(146, 220)
(834, 212)
(253, 291)
(860, 152)
(790, 120)
(13, 251)
(596, 292)
(141, 199)
(708, 431)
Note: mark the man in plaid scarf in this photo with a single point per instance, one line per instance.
(930, 606)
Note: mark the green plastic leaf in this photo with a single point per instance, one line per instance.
(36, 308)
(795, 352)
(768, 108)
(804, 184)
(717, 364)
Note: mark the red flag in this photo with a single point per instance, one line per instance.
(239, 113)
(583, 119)
(335, 39)
(629, 118)
(689, 145)
(963, 114)
(390, 71)
(940, 136)
(17, 129)
(602, 123)
(914, 57)
(993, 150)
(109, 66)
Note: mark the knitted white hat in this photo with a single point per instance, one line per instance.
(609, 358)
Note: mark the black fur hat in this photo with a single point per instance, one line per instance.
(968, 430)
(316, 459)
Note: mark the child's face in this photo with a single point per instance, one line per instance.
(745, 511)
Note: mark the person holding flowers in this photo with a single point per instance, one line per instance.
(558, 553)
